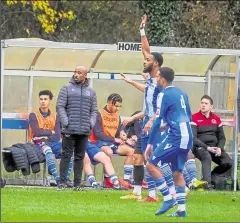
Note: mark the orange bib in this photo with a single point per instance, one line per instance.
(110, 125)
(43, 123)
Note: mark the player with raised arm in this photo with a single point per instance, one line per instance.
(152, 63)
(174, 108)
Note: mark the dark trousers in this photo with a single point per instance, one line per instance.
(224, 162)
(73, 144)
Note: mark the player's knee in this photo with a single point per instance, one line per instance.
(150, 167)
(109, 152)
(138, 159)
(46, 150)
(130, 152)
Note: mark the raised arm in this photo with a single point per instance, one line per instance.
(144, 40)
(139, 86)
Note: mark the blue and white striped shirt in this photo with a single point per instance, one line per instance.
(150, 97)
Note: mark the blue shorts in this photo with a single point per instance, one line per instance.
(144, 138)
(92, 150)
(113, 146)
(55, 146)
(168, 153)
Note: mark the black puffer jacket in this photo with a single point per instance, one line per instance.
(21, 157)
(77, 108)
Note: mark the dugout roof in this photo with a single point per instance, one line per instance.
(94, 56)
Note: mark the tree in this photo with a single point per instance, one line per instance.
(162, 18)
(92, 21)
(204, 24)
(210, 24)
(34, 16)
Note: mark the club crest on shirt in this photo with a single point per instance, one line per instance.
(87, 93)
(214, 121)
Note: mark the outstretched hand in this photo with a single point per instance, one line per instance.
(128, 80)
(144, 21)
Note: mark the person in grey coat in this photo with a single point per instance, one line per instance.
(77, 111)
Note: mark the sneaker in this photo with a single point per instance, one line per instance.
(107, 183)
(144, 185)
(198, 184)
(119, 187)
(166, 206)
(79, 188)
(69, 184)
(125, 183)
(61, 186)
(131, 196)
(178, 214)
(96, 186)
(149, 199)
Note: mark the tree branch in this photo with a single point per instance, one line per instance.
(4, 23)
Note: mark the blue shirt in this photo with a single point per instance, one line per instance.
(150, 97)
(173, 107)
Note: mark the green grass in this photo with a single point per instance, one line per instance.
(49, 205)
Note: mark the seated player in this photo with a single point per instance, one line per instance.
(111, 138)
(94, 156)
(44, 132)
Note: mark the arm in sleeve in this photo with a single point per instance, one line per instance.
(196, 141)
(155, 128)
(61, 107)
(120, 128)
(221, 137)
(145, 46)
(37, 132)
(189, 113)
(56, 137)
(94, 111)
(99, 131)
(163, 106)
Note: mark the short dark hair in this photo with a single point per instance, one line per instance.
(46, 92)
(167, 73)
(208, 98)
(158, 57)
(114, 98)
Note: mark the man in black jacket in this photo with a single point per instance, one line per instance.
(209, 141)
(77, 110)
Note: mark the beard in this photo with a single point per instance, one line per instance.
(147, 69)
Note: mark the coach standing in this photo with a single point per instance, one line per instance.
(77, 110)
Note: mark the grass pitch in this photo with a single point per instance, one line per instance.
(48, 205)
